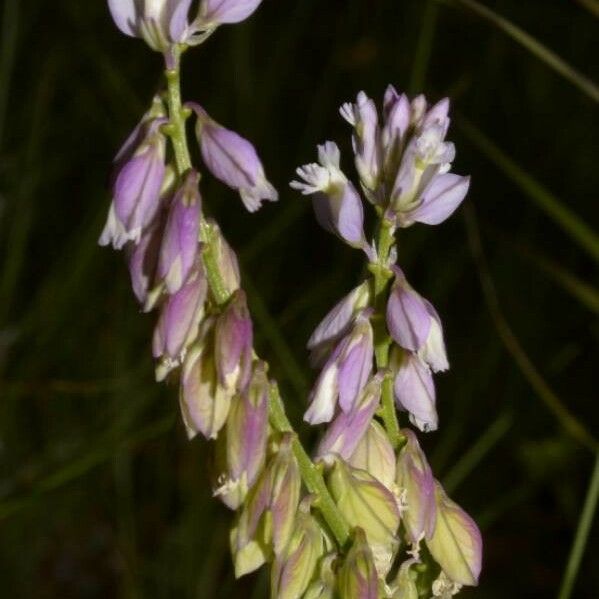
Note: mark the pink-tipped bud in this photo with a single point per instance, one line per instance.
(358, 576)
(456, 543)
(246, 437)
(417, 488)
(234, 343)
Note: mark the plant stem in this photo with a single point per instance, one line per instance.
(382, 341)
(310, 473)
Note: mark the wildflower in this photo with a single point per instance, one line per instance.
(415, 390)
(178, 324)
(336, 202)
(179, 248)
(137, 189)
(338, 321)
(216, 12)
(347, 430)
(234, 343)
(456, 544)
(415, 480)
(232, 160)
(205, 403)
(358, 575)
(414, 323)
(160, 23)
(345, 373)
(246, 437)
(366, 139)
(224, 256)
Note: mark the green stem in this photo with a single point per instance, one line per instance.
(382, 341)
(310, 473)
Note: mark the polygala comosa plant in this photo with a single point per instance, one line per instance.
(363, 517)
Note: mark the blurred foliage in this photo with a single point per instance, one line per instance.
(100, 493)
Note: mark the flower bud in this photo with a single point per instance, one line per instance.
(365, 502)
(348, 429)
(405, 584)
(337, 204)
(204, 401)
(232, 160)
(225, 257)
(179, 247)
(338, 321)
(178, 324)
(366, 139)
(217, 12)
(358, 575)
(456, 543)
(414, 324)
(397, 111)
(415, 390)
(246, 437)
(234, 343)
(270, 510)
(417, 485)
(375, 454)
(136, 191)
(324, 586)
(159, 22)
(294, 568)
(345, 373)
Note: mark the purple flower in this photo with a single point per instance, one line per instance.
(159, 22)
(234, 343)
(415, 392)
(246, 437)
(414, 324)
(397, 112)
(137, 189)
(338, 321)
(233, 160)
(416, 483)
(216, 12)
(178, 324)
(345, 373)
(346, 431)
(337, 204)
(179, 248)
(366, 139)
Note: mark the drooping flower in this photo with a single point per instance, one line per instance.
(415, 480)
(415, 390)
(347, 430)
(345, 373)
(246, 437)
(232, 160)
(179, 321)
(414, 323)
(456, 543)
(205, 403)
(217, 12)
(180, 246)
(234, 343)
(337, 204)
(159, 22)
(337, 322)
(137, 189)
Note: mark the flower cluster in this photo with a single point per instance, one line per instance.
(351, 524)
(382, 343)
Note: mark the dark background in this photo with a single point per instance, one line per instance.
(100, 493)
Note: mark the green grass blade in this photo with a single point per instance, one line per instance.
(582, 535)
(572, 224)
(550, 58)
(424, 48)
